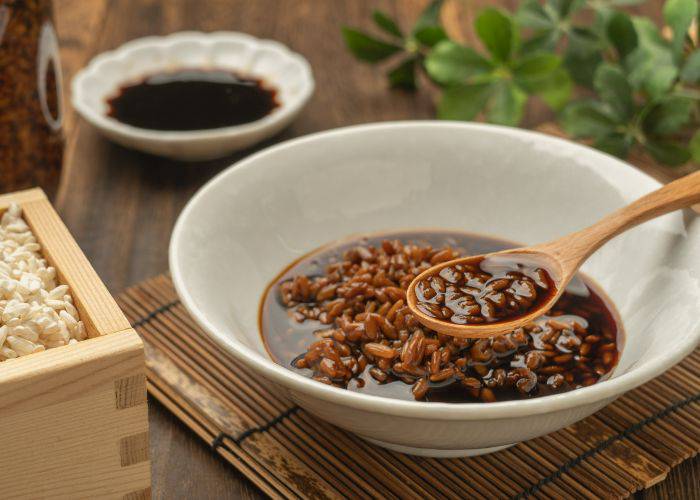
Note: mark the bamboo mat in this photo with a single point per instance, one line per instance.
(630, 445)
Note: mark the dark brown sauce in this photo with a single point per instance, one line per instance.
(493, 289)
(192, 99)
(287, 339)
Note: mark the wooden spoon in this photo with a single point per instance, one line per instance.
(562, 257)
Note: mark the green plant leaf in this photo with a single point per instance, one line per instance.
(679, 15)
(647, 32)
(601, 19)
(667, 116)
(587, 119)
(694, 147)
(531, 14)
(403, 75)
(598, 5)
(582, 66)
(497, 32)
(652, 70)
(507, 105)
(463, 101)
(544, 41)
(565, 8)
(430, 15)
(622, 34)
(450, 63)
(691, 70)
(366, 48)
(616, 144)
(583, 55)
(427, 29)
(585, 40)
(626, 3)
(430, 35)
(556, 90)
(533, 69)
(651, 66)
(386, 23)
(615, 91)
(669, 153)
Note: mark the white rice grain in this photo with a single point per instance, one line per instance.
(36, 313)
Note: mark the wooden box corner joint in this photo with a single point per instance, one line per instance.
(130, 391)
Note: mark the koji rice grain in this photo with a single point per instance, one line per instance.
(36, 313)
(340, 317)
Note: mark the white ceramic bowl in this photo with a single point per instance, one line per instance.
(271, 61)
(252, 220)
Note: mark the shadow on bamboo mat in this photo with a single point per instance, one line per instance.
(629, 445)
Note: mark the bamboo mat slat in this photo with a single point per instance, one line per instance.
(629, 445)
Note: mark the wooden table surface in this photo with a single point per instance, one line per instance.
(121, 205)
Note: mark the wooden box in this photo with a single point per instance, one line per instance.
(74, 419)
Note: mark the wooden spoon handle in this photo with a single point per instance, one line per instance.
(577, 247)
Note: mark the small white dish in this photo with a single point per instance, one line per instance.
(275, 64)
(247, 224)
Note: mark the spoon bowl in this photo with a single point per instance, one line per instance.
(560, 258)
(531, 255)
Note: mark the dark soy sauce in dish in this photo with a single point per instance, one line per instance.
(192, 99)
(339, 316)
